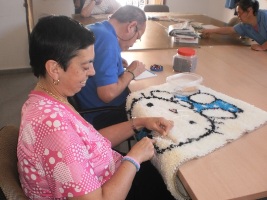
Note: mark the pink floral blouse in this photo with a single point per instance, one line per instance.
(60, 155)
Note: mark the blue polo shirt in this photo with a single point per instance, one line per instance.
(108, 67)
(247, 30)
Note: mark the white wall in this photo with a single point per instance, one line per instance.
(212, 8)
(13, 31)
(13, 35)
(217, 10)
(188, 6)
(47, 7)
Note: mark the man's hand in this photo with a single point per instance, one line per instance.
(137, 67)
(98, 2)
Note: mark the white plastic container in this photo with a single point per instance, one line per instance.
(185, 83)
(185, 60)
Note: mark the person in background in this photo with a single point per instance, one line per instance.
(109, 86)
(94, 7)
(253, 24)
(62, 156)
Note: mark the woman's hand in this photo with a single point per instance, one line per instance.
(205, 33)
(142, 150)
(257, 47)
(159, 124)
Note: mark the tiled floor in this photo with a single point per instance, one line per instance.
(14, 89)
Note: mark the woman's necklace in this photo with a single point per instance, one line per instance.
(56, 97)
(52, 94)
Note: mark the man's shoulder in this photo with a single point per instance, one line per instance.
(104, 33)
(101, 27)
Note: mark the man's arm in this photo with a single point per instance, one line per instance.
(109, 92)
(87, 8)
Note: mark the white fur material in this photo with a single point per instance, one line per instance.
(203, 122)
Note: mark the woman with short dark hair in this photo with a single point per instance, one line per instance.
(253, 24)
(62, 156)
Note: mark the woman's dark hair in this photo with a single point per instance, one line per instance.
(57, 38)
(246, 4)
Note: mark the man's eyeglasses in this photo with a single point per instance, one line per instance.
(138, 34)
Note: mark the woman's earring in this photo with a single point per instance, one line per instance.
(56, 82)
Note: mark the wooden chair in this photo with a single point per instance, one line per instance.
(29, 15)
(156, 8)
(9, 178)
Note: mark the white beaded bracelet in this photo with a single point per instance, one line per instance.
(133, 161)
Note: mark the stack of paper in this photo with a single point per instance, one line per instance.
(145, 74)
(159, 18)
(183, 32)
(185, 39)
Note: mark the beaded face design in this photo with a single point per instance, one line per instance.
(198, 115)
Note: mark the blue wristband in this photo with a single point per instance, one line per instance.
(133, 161)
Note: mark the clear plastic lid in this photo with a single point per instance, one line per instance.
(185, 83)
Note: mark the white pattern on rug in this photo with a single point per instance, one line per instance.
(203, 122)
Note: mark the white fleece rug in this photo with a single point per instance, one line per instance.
(203, 122)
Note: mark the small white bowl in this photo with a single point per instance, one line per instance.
(185, 83)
